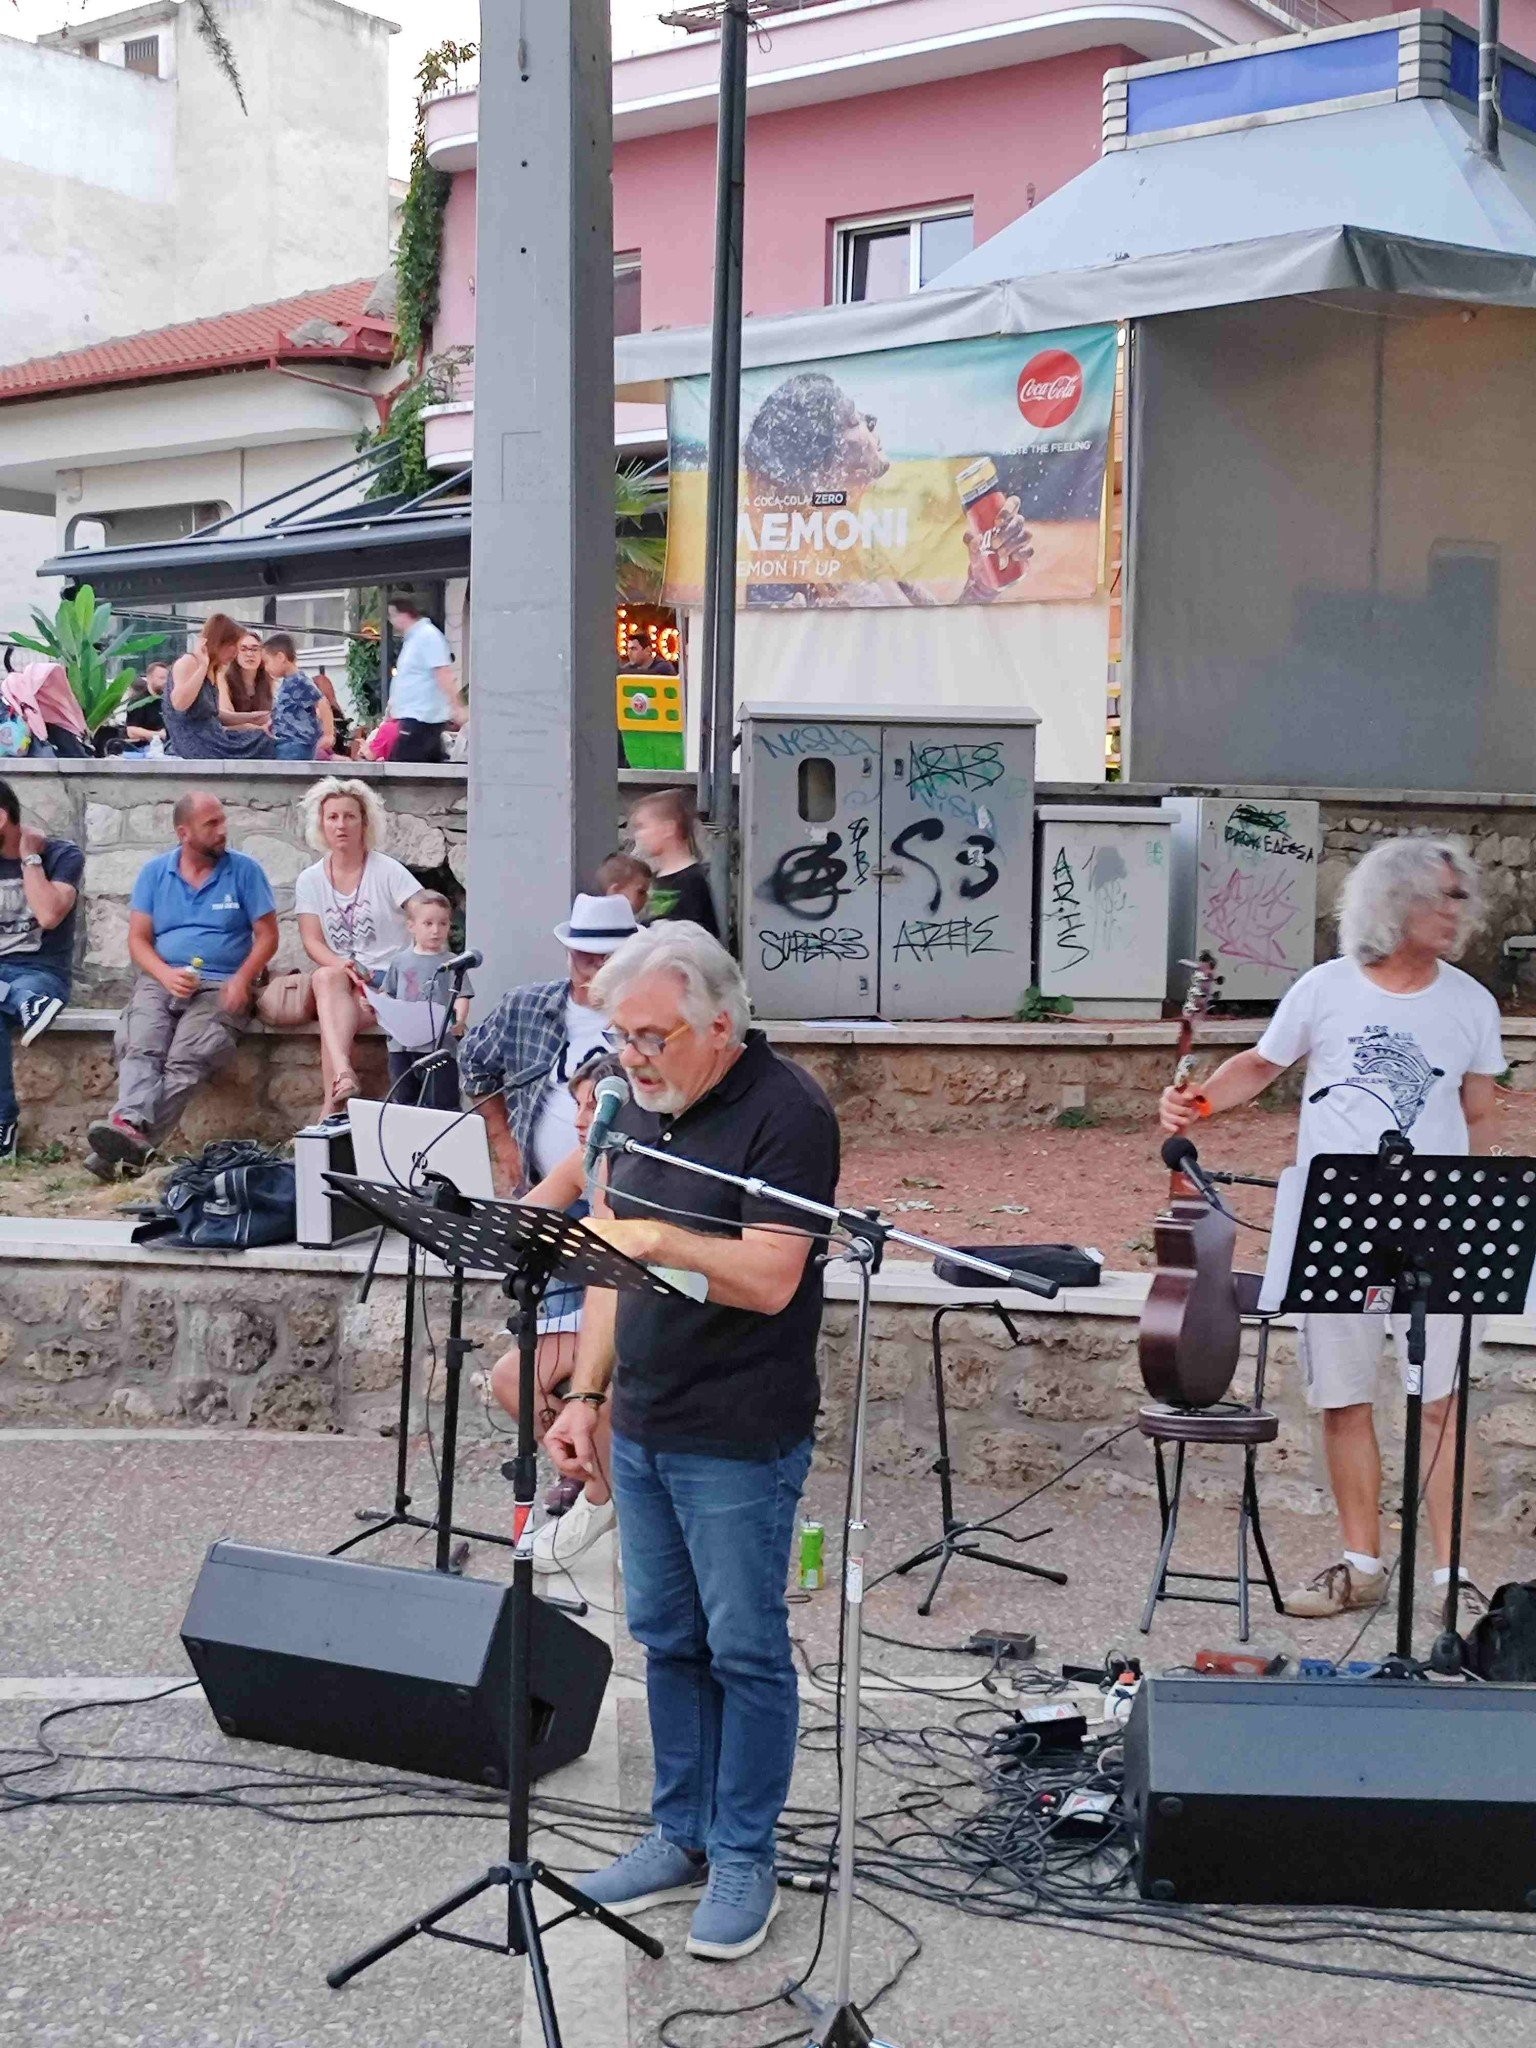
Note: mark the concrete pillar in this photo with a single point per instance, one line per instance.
(543, 752)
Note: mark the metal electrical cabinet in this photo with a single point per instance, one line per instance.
(886, 866)
(1103, 926)
(1245, 890)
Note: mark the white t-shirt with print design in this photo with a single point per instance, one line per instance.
(1405, 1057)
(368, 925)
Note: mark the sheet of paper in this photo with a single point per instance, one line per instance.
(413, 1025)
(1282, 1238)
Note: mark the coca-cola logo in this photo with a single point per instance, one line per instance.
(1050, 387)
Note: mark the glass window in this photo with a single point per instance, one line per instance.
(887, 259)
(626, 294)
(943, 242)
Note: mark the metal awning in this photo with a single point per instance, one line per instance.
(381, 541)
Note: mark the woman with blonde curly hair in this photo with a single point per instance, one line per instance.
(351, 911)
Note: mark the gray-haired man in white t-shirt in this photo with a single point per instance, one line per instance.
(1399, 1038)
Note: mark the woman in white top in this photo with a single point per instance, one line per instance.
(351, 917)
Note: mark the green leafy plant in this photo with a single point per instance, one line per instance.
(639, 494)
(363, 681)
(1079, 1117)
(1034, 1007)
(418, 249)
(81, 634)
(404, 471)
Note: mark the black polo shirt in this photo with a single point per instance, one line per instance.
(692, 1375)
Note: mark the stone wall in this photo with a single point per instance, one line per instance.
(120, 813)
(255, 1343)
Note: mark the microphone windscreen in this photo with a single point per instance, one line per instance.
(1176, 1151)
(613, 1088)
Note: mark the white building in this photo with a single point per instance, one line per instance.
(136, 195)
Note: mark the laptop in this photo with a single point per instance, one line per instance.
(400, 1143)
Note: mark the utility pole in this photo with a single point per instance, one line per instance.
(543, 788)
(717, 710)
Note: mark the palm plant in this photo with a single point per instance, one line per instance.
(80, 635)
(639, 498)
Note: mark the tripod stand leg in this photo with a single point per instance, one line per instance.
(925, 1605)
(422, 1923)
(591, 1910)
(525, 1919)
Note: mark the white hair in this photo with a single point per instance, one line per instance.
(369, 802)
(1392, 880)
(712, 982)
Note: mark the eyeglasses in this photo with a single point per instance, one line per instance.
(649, 1044)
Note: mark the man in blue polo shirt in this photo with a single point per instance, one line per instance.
(202, 926)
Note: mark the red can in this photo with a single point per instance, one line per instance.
(983, 498)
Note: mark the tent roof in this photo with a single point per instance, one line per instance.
(1392, 198)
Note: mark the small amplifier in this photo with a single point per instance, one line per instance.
(1334, 1791)
(325, 1218)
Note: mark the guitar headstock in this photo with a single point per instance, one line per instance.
(1203, 984)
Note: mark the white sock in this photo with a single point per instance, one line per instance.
(1367, 1567)
(1443, 1575)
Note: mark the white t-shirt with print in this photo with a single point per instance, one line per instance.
(1411, 1052)
(367, 926)
(554, 1128)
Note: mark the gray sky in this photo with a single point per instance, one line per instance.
(423, 25)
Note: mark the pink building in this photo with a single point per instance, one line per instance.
(884, 138)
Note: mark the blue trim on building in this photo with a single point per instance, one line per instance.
(1267, 82)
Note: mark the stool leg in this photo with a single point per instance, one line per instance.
(1170, 1513)
(1242, 1547)
(1258, 1536)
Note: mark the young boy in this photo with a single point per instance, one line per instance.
(662, 828)
(302, 722)
(622, 875)
(412, 977)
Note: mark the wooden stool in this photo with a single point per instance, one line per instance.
(1227, 1422)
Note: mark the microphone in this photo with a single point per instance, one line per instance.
(612, 1094)
(460, 963)
(1180, 1156)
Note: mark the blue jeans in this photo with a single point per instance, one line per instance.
(706, 1557)
(17, 980)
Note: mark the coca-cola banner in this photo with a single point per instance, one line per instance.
(960, 472)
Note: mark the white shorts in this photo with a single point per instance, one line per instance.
(1341, 1356)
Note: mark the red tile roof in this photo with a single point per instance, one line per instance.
(324, 326)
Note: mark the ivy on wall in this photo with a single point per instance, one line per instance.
(418, 251)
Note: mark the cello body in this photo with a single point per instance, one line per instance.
(1190, 1328)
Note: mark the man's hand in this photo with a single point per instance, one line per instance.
(235, 996)
(570, 1441)
(1177, 1109)
(181, 982)
(635, 1237)
(32, 841)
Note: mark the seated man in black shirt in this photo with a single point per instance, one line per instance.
(714, 1402)
(662, 826)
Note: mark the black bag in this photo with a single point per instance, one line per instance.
(1067, 1264)
(1502, 1645)
(230, 1197)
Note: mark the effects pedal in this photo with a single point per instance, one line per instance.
(1001, 1645)
(1240, 1663)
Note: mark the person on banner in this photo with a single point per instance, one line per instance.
(713, 1405)
(516, 1064)
(1394, 1037)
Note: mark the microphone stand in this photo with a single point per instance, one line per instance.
(837, 2022)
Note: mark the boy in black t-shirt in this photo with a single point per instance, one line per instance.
(662, 828)
(39, 890)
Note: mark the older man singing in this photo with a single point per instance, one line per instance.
(713, 1408)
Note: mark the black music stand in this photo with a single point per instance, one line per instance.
(958, 1538)
(439, 1192)
(1391, 1231)
(529, 1246)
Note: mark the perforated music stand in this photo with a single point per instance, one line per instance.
(529, 1246)
(1388, 1232)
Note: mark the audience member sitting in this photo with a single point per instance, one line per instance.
(144, 725)
(245, 694)
(350, 907)
(414, 976)
(302, 723)
(39, 694)
(194, 730)
(202, 927)
(39, 893)
(622, 875)
(516, 1063)
(662, 826)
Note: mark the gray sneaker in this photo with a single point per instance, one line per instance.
(736, 1912)
(653, 1873)
(1336, 1589)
